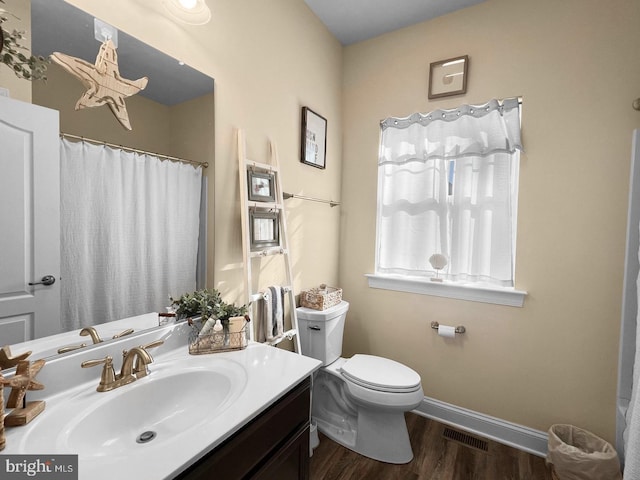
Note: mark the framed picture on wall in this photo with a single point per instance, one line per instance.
(314, 138)
(448, 77)
(261, 187)
(264, 229)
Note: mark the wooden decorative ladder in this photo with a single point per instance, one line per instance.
(267, 207)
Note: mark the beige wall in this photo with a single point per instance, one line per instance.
(268, 60)
(575, 64)
(190, 127)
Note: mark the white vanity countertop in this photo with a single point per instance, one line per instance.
(268, 374)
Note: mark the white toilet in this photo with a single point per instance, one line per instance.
(358, 402)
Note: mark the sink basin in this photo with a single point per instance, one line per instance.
(172, 400)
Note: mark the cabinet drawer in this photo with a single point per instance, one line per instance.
(291, 462)
(248, 450)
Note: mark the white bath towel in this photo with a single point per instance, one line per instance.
(271, 321)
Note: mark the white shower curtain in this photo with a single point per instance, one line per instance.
(129, 226)
(632, 431)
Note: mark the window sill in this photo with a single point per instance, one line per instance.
(499, 296)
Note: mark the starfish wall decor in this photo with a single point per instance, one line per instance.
(103, 81)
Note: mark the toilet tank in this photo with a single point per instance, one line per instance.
(321, 332)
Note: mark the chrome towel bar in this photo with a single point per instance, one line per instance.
(331, 203)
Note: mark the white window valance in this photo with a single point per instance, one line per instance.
(470, 130)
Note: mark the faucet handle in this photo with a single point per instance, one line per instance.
(70, 348)
(155, 343)
(108, 377)
(128, 331)
(92, 363)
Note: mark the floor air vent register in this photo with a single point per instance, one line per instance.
(465, 439)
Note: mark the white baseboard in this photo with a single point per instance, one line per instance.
(507, 433)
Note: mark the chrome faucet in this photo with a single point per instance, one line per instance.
(129, 372)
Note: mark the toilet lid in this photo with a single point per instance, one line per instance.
(381, 374)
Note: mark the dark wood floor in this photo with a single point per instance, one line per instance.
(435, 458)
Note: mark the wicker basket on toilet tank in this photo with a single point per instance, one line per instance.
(321, 298)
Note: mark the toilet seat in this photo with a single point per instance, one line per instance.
(380, 374)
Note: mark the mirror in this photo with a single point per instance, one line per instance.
(172, 116)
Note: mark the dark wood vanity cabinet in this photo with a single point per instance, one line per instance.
(273, 446)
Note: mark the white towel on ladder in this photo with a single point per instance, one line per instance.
(271, 323)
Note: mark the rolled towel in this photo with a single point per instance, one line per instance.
(271, 315)
(263, 321)
(277, 311)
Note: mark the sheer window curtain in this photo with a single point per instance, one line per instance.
(129, 226)
(446, 184)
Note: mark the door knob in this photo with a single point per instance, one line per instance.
(46, 280)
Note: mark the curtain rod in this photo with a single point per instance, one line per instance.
(331, 203)
(130, 149)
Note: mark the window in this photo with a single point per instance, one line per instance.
(447, 185)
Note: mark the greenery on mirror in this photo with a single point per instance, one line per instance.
(12, 52)
(206, 303)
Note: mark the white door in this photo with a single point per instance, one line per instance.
(29, 221)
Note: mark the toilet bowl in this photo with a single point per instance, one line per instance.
(358, 402)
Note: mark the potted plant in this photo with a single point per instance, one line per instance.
(12, 53)
(206, 303)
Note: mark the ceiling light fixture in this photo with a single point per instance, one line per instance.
(192, 12)
(188, 4)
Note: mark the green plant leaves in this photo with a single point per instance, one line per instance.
(206, 303)
(26, 67)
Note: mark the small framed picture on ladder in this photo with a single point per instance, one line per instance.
(264, 228)
(261, 186)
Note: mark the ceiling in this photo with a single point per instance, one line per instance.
(353, 21)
